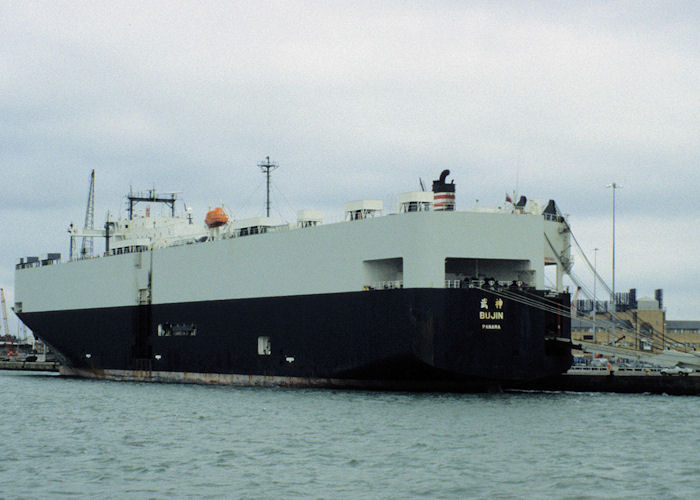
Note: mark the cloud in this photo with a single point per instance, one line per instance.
(651, 252)
(355, 101)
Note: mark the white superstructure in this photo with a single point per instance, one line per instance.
(160, 260)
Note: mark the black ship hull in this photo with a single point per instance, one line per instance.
(400, 338)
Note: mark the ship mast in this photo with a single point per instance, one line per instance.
(267, 166)
(151, 197)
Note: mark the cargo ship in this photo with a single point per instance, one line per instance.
(428, 297)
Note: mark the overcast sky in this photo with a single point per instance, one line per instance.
(358, 100)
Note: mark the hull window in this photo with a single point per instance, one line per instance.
(177, 330)
(264, 346)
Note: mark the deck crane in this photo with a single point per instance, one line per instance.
(87, 248)
(8, 337)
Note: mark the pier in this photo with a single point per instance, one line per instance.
(587, 379)
(584, 379)
(37, 366)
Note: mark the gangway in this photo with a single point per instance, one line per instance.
(666, 358)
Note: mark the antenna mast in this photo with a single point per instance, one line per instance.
(267, 166)
(86, 249)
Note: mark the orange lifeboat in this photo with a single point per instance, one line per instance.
(216, 217)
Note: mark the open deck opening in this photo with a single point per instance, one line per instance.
(383, 273)
(501, 270)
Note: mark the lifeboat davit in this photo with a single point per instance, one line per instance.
(216, 217)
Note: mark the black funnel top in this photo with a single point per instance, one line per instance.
(440, 186)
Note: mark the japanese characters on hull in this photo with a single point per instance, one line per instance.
(494, 316)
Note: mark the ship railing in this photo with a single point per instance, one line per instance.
(582, 369)
(26, 265)
(553, 217)
(484, 283)
(83, 257)
(385, 285)
(128, 249)
(47, 260)
(241, 232)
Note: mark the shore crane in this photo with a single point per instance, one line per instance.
(8, 337)
(87, 248)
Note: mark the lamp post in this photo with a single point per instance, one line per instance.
(595, 282)
(614, 187)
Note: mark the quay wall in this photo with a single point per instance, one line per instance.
(622, 381)
(37, 366)
(575, 380)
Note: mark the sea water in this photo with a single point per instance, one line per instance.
(78, 438)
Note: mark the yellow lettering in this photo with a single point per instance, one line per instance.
(490, 327)
(491, 315)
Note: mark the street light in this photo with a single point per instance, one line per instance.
(614, 186)
(595, 282)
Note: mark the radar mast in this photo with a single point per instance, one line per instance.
(267, 166)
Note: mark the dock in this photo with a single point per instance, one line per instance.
(587, 379)
(575, 380)
(37, 366)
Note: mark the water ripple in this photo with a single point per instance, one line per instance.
(81, 439)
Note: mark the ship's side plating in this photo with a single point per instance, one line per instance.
(395, 335)
(399, 297)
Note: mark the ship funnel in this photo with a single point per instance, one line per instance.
(443, 193)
